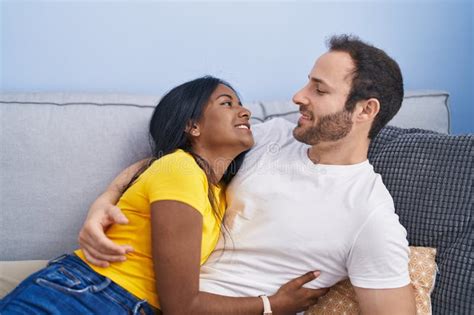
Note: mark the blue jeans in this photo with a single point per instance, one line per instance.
(69, 286)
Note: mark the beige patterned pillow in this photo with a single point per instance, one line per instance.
(341, 299)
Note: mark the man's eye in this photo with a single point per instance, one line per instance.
(320, 91)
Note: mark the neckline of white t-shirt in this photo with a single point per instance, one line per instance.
(330, 168)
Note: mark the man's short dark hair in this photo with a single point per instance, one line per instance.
(375, 75)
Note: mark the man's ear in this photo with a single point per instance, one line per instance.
(367, 109)
(193, 129)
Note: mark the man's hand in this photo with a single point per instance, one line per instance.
(97, 248)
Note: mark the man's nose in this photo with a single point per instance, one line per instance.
(300, 97)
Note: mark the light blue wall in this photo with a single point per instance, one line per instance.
(264, 48)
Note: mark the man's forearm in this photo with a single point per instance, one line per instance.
(117, 186)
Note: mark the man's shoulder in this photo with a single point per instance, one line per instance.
(276, 128)
(275, 131)
(370, 189)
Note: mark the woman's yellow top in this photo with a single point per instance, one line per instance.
(175, 176)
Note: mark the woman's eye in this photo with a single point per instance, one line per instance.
(227, 103)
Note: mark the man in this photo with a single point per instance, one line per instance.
(311, 204)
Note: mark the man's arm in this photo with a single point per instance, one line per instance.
(378, 265)
(398, 301)
(97, 248)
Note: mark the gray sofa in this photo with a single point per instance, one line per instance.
(60, 150)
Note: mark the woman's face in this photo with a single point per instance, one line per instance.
(225, 123)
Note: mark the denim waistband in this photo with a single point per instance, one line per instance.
(74, 263)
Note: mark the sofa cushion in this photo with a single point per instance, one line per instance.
(13, 272)
(342, 299)
(413, 113)
(416, 106)
(57, 156)
(429, 176)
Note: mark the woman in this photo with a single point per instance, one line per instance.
(175, 207)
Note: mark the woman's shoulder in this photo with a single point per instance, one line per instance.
(177, 156)
(178, 162)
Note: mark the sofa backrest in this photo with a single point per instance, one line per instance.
(420, 109)
(60, 150)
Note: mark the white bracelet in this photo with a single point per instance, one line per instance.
(267, 309)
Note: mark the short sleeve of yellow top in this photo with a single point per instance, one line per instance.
(175, 176)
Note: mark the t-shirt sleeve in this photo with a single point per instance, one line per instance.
(177, 178)
(380, 253)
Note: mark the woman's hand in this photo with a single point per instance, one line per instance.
(97, 248)
(292, 297)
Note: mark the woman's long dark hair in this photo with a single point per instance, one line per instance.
(181, 107)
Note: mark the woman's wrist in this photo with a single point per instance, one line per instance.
(275, 304)
(267, 308)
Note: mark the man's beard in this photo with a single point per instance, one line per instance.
(330, 127)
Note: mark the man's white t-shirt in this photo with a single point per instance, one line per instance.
(287, 216)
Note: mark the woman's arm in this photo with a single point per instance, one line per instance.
(176, 246)
(97, 248)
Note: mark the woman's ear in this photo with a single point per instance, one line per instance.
(368, 109)
(193, 129)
